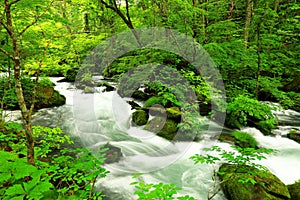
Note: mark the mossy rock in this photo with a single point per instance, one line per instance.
(140, 95)
(267, 186)
(152, 101)
(174, 113)
(244, 140)
(240, 139)
(171, 113)
(140, 117)
(264, 127)
(48, 97)
(113, 154)
(107, 86)
(165, 128)
(294, 190)
(294, 135)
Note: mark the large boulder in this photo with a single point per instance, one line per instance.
(108, 87)
(166, 128)
(240, 139)
(267, 186)
(47, 97)
(294, 190)
(173, 113)
(140, 95)
(140, 117)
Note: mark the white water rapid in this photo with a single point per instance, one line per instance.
(101, 117)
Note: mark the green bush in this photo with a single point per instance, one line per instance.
(245, 111)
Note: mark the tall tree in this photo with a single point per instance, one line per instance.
(249, 11)
(8, 23)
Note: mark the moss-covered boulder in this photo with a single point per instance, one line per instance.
(140, 117)
(294, 135)
(47, 97)
(113, 154)
(294, 190)
(140, 95)
(153, 101)
(173, 113)
(108, 87)
(267, 186)
(165, 128)
(240, 139)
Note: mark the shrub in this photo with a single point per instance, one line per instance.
(245, 111)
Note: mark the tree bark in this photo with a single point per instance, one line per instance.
(248, 22)
(18, 85)
(258, 61)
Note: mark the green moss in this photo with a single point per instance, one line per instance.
(164, 128)
(267, 186)
(152, 101)
(140, 117)
(294, 190)
(244, 140)
(173, 113)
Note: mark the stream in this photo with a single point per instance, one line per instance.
(95, 119)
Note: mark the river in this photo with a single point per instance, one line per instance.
(95, 119)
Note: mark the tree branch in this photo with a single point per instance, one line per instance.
(6, 53)
(13, 2)
(107, 6)
(35, 20)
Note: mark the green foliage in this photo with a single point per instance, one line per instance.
(66, 173)
(77, 171)
(18, 180)
(49, 139)
(192, 124)
(238, 158)
(149, 191)
(246, 111)
(241, 156)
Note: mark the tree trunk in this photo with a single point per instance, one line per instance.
(248, 22)
(18, 86)
(258, 60)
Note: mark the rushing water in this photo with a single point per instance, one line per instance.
(95, 119)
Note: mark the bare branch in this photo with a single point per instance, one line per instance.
(35, 20)
(6, 53)
(107, 6)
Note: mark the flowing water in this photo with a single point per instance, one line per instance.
(95, 119)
